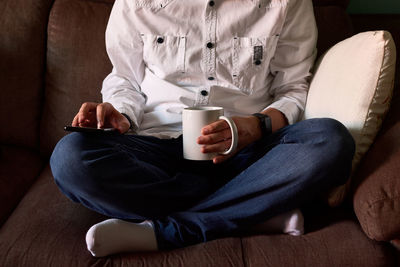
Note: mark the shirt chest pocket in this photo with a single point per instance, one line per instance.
(250, 61)
(165, 55)
(154, 5)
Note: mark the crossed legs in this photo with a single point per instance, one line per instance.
(145, 178)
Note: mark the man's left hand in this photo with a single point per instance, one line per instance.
(217, 137)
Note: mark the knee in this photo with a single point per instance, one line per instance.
(335, 149)
(331, 149)
(339, 141)
(66, 160)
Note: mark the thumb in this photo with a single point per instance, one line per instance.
(123, 124)
(119, 122)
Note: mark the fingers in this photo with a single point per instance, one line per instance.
(217, 147)
(123, 124)
(221, 158)
(108, 116)
(75, 121)
(220, 148)
(214, 137)
(85, 116)
(118, 121)
(101, 111)
(217, 126)
(100, 115)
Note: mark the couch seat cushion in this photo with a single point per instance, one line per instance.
(19, 168)
(333, 238)
(47, 229)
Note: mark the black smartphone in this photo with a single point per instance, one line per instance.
(89, 129)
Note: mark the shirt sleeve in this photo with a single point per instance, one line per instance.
(124, 46)
(293, 60)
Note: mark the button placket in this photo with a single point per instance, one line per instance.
(209, 57)
(235, 58)
(202, 97)
(181, 54)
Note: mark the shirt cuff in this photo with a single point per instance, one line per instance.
(288, 108)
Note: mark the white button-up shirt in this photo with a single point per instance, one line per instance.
(243, 55)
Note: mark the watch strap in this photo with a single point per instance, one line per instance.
(265, 123)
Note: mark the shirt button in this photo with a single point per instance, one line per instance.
(160, 40)
(210, 45)
(211, 3)
(257, 62)
(204, 93)
(211, 78)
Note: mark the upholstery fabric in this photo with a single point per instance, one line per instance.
(46, 221)
(59, 226)
(342, 3)
(330, 33)
(377, 189)
(320, 246)
(353, 83)
(22, 46)
(77, 63)
(47, 229)
(19, 168)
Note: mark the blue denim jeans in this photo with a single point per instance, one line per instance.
(136, 178)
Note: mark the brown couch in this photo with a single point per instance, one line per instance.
(52, 58)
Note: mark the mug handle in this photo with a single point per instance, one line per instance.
(234, 133)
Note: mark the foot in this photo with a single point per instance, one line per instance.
(291, 223)
(114, 236)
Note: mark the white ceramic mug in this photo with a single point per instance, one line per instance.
(193, 120)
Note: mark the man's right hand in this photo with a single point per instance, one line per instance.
(100, 115)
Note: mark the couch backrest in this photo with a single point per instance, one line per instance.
(334, 25)
(342, 3)
(23, 25)
(77, 61)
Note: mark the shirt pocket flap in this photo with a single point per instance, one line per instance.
(154, 5)
(164, 54)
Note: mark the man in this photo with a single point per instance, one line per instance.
(251, 57)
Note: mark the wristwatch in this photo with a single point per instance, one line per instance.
(265, 123)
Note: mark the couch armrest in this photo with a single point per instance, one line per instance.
(376, 196)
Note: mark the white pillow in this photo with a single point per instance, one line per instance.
(353, 83)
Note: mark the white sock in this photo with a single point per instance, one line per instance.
(113, 236)
(291, 223)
